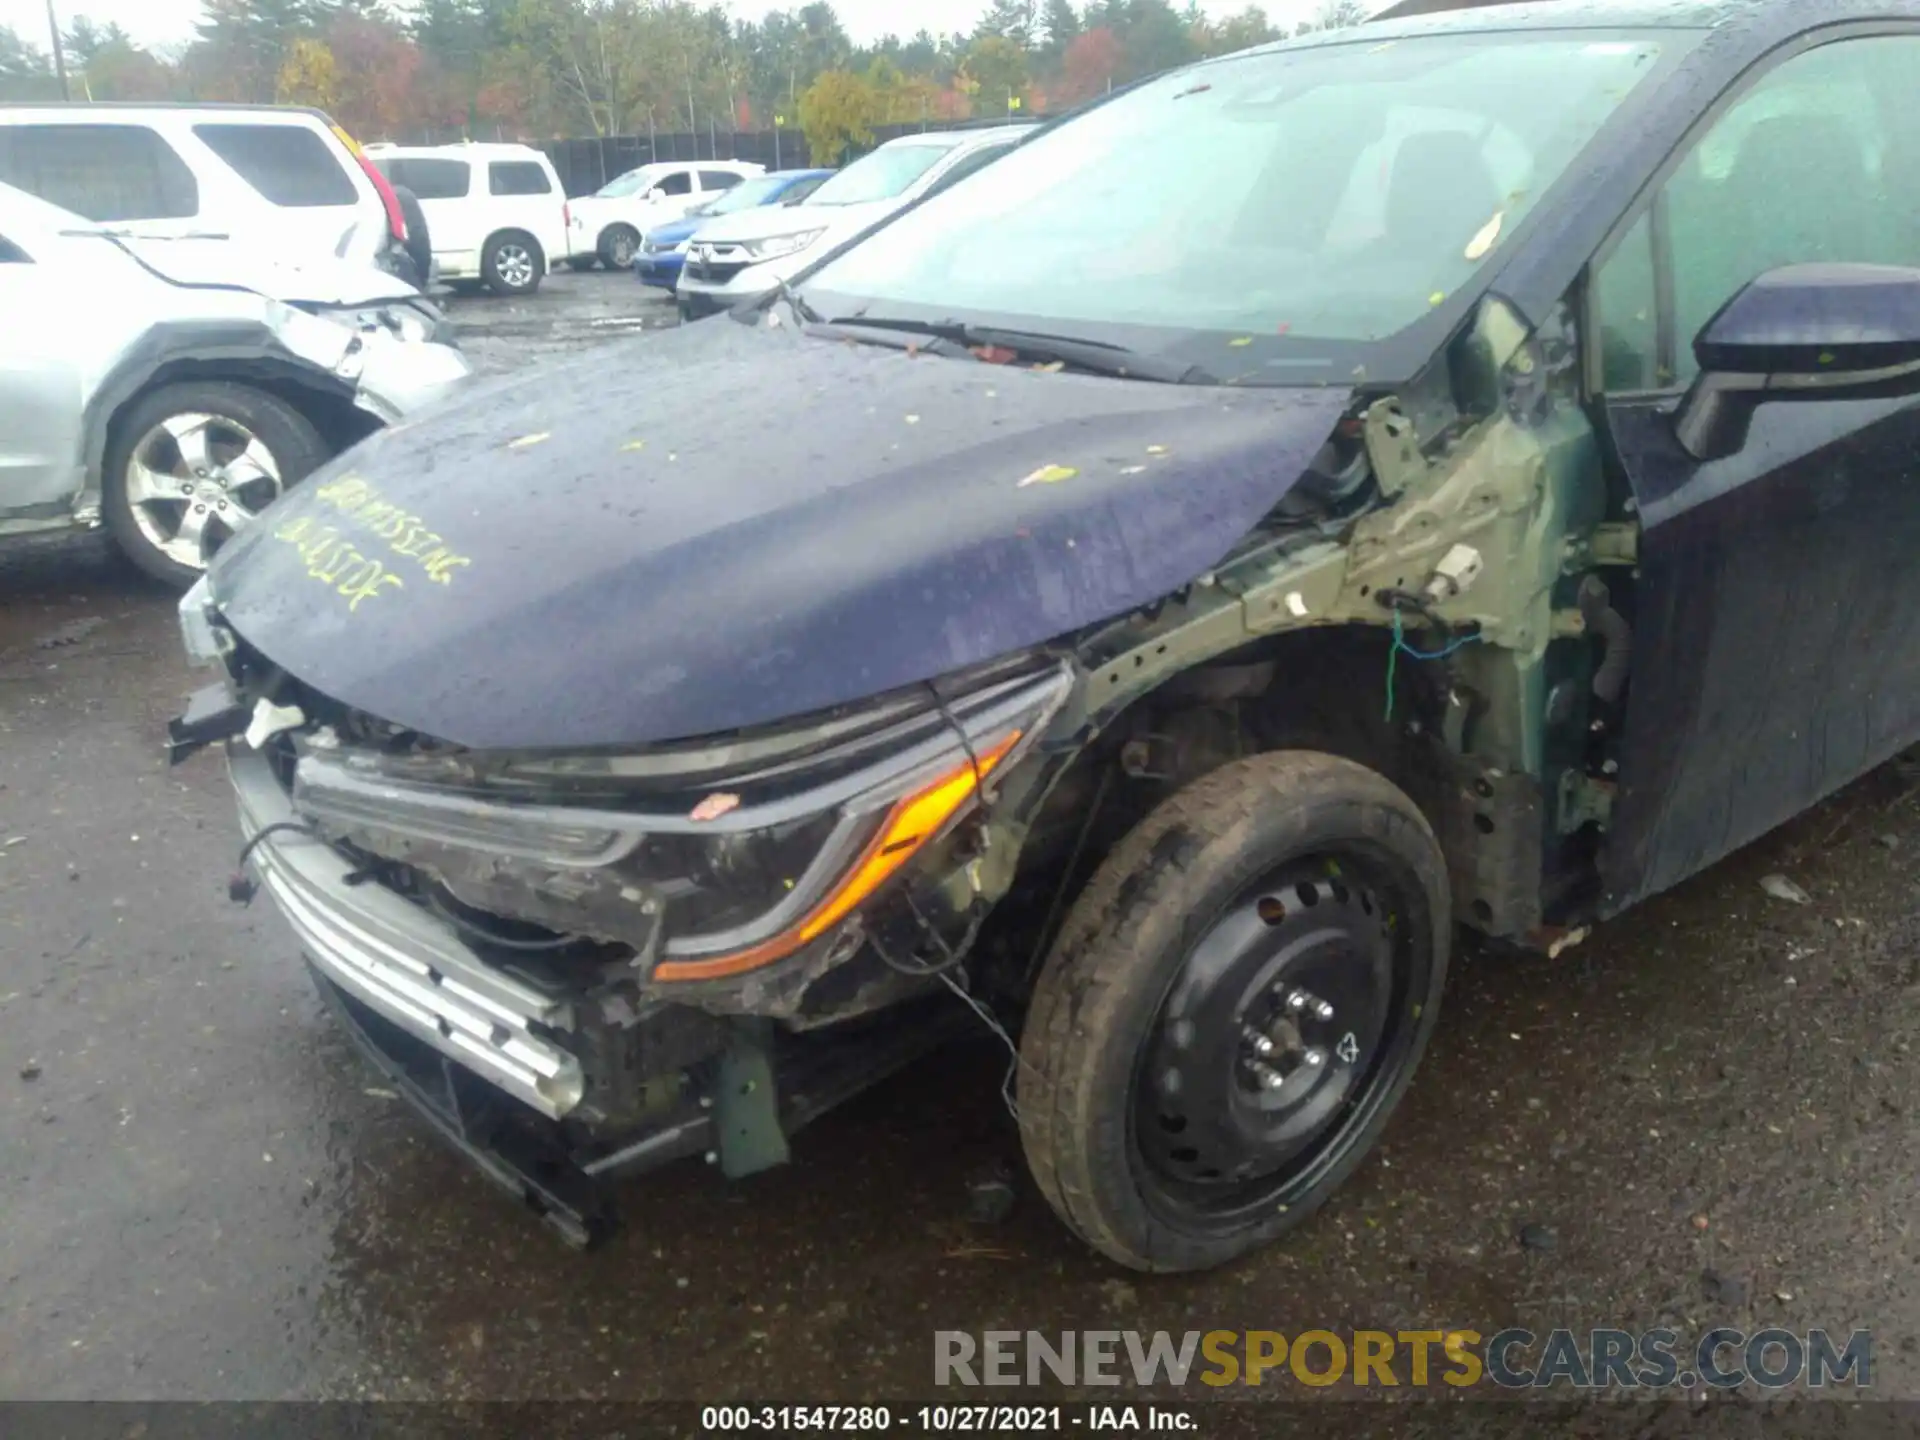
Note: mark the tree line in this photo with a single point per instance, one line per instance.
(545, 69)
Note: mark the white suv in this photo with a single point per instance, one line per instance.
(607, 225)
(287, 180)
(497, 213)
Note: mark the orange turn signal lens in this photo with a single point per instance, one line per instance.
(910, 824)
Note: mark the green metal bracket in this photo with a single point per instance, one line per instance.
(746, 1108)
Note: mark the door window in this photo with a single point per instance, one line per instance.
(518, 177)
(287, 164)
(429, 179)
(675, 182)
(718, 179)
(1818, 162)
(103, 172)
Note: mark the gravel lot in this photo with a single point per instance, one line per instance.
(1704, 1114)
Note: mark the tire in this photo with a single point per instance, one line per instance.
(618, 245)
(580, 264)
(419, 241)
(1293, 869)
(513, 263)
(168, 432)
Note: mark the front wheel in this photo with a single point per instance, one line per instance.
(1236, 1003)
(191, 465)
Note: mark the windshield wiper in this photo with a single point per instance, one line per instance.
(1099, 356)
(802, 311)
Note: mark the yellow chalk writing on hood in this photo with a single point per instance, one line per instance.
(405, 534)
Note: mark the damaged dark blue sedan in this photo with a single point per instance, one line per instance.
(1461, 489)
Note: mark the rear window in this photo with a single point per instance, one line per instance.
(104, 172)
(429, 179)
(288, 165)
(518, 177)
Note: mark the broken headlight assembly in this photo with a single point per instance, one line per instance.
(413, 321)
(707, 861)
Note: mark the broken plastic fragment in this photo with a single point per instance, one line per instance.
(714, 806)
(527, 441)
(1296, 604)
(1781, 888)
(270, 720)
(1483, 239)
(1048, 475)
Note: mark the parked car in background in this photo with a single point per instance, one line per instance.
(173, 388)
(664, 248)
(287, 181)
(606, 226)
(497, 213)
(743, 257)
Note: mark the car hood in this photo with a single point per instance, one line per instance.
(675, 231)
(203, 262)
(582, 558)
(775, 220)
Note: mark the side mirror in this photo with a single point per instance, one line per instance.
(1802, 332)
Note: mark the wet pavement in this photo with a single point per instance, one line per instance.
(1705, 1114)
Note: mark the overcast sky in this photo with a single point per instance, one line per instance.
(168, 22)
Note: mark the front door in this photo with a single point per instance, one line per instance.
(1777, 624)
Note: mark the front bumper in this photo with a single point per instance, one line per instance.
(402, 962)
(707, 295)
(662, 270)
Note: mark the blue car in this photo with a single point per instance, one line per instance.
(664, 248)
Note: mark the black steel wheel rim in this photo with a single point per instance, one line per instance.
(1278, 1039)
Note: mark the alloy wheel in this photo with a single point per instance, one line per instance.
(513, 263)
(194, 480)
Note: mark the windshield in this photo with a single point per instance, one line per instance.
(883, 175)
(1336, 193)
(747, 195)
(626, 184)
